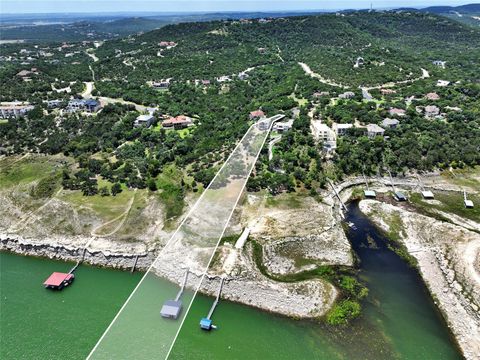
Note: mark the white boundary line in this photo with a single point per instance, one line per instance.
(218, 242)
(173, 236)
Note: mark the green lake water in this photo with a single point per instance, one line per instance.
(399, 319)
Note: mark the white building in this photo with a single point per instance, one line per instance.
(143, 120)
(374, 130)
(342, 129)
(322, 132)
(14, 109)
(283, 126)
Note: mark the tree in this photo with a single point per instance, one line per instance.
(116, 189)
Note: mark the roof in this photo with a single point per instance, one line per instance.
(171, 308)
(57, 278)
(427, 194)
(258, 113)
(91, 102)
(400, 195)
(375, 128)
(390, 122)
(181, 119)
(205, 323)
(369, 193)
(397, 111)
(144, 117)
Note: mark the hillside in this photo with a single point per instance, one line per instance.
(276, 65)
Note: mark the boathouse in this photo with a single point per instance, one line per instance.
(58, 280)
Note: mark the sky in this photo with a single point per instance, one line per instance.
(96, 6)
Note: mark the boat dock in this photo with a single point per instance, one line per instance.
(206, 322)
(171, 308)
(397, 195)
(368, 193)
(58, 280)
(468, 203)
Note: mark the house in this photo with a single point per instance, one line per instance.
(374, 130)
(388, 123)
(264, 124)
(178, 122)
(143, 120)
(205, 82)
(89, 105)
(324, 133)
(347, 95)
(14, 109)
(342, 129)
(387, 91)
(432, 96)
(321, 94)
(222, 79)
(162, 84)
(243, 76)
(167, 44)
(283, 126)
(397, 112)
(443, 83)
(439, 63)
(431, 111)
(257, 114)
(53, 103)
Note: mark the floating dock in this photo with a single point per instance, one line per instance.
(368, 193)
(427, 194)
(206, 322)
(171, 308)
(58, 280)
(397, 195)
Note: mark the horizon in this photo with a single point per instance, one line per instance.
(89, 7)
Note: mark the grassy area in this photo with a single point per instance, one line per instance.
(300, 102)
(171, 191)
(450, 202)
(285, 201)
(106, 207)
(32, 168)
(464, 177)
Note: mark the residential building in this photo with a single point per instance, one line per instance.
(53, 103)
(162, 84)
(439, 63)
(325, 134)
(89, 105)
(431, 111)
(14, 109)
(283, 125)
(388, 91)
(388, 123)
(321, 94)
(143, 120)
(179, 122)
(347, 95)
(342, 129)
(443, 83)
(257, 114)
(398, 112)
(374, 130)
(432, 96)
(223, 78)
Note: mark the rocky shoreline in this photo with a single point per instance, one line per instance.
(440, 250)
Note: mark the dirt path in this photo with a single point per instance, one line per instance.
(31, 216)
(320, 78)
(122, 216)
(87, 93)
